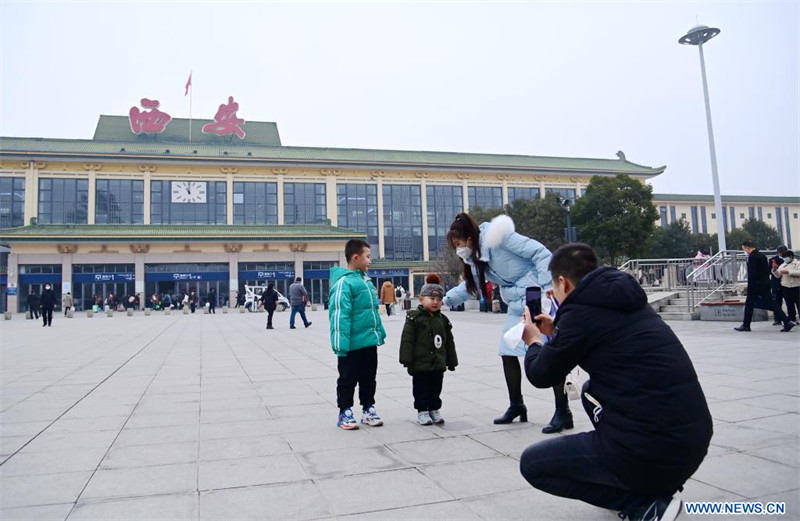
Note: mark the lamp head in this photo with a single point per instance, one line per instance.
(698, 35)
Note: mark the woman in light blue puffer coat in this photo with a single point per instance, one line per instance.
(494, 252)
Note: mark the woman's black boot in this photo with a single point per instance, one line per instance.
(562, 419)
(514, 410)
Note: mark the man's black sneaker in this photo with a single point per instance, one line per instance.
(666, 509)
(292, 327)
(787, 327)
(777, 323)
(308, 324)
(742, 328)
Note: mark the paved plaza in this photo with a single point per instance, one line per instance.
(213, 417)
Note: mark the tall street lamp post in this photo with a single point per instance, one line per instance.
(698, 36)
(569, 232)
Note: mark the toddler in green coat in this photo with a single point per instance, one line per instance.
(427, 349)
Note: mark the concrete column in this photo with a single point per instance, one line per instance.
(92, 202)
(505, 192)
(138, 273)
(12, 304)
(233, 277)
(147, 198)
(66, 273)
(280, 200)
(465, 194)
(425, 246)
(298, 264)
(331, 200)
(229, 199)
(381, 225)
(31, 193)
(541, 190)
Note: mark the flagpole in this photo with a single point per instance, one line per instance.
(191, 93)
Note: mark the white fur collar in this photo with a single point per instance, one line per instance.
(501, 227)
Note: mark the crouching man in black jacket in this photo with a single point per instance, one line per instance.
(651, 422)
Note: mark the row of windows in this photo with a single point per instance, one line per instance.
(728, 218)
(12, 202)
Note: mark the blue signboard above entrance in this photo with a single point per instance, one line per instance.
(186, 276)
(266, 275)
(103, 277)
(39, 278)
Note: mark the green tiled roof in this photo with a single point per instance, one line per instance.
(697, 198)
(117, 128)
(385, 264)
(95, 232)
(111, 143)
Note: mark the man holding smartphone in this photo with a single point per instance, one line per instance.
(652, 426)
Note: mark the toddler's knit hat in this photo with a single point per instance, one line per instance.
(433, 287)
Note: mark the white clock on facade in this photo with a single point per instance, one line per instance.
(189, 191)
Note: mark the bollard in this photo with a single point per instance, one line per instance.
(224, 309)
(147, 312)
(205, 310)
(167, 311)
(242, 310)
(28, 315)
(7, 316)
(89, 313)
(110, 313)
(130, 312)
(185, 310)
(71, 313)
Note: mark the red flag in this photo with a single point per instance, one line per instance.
(188, 84)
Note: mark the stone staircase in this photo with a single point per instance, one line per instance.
(676, 306)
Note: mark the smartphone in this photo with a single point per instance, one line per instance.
(533, 299)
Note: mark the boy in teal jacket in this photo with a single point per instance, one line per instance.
(356, 333)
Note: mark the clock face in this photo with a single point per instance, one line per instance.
(189, 191)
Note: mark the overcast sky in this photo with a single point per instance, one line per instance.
(572, 79)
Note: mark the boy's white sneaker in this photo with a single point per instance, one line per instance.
(370, 417)
(436, 416)
(424, 418)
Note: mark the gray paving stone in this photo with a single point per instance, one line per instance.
(171, 507)
(442, 450)
(332, 438)
(533, 505)
(41, 489)
(297, 501)
(222, 430)
(142, 481)
(28, 462)
(148, 455)
(477, 478)
(447, 510)
(345, 462)
(250, 447)
(245, 472)
(380, 491)
(43, 513)
(749, 478)
(154, 435)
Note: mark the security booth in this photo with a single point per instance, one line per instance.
(280, 273)
(182, 279)
(33, 278)
(92, 282)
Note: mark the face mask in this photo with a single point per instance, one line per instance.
(47, 287)
(464, 252)
(787, 260)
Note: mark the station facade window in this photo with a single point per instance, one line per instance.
(12, 202)
(357, 209)
(63, 201)
(402, 217)
(164, 211)
(444, 203)
(255, 203)
(304, 203)
(119, 201)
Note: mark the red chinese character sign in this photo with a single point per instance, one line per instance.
(151, 121)
(225, 121)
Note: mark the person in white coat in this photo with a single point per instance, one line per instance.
(789, 275)
(494, 252)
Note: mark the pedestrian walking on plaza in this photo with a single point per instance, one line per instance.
(193, 301)
(356, 333)
(47, 303)
(33, 304)
(775, 280)
(388, 297)
(789, 272)
(212, 301)
(495, 252)
(759, 293)
(652, 426)
(298, 297)
(427, 348)
(269, 299)
(66, 303)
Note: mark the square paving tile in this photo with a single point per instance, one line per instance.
(344, 462)
(142, 481)
(246, 472)
(442, 450)
(295, 501)
(179, 507)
